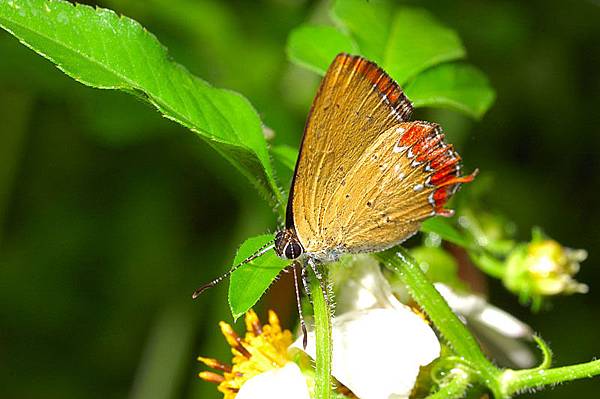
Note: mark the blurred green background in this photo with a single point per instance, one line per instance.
(111, 215)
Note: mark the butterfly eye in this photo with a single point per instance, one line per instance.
(292, 250)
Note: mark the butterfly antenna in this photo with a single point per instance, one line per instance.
(268, 246)
(299, 304)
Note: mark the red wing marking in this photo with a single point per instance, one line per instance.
(441, 169)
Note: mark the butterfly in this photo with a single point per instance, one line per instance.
(366, 176)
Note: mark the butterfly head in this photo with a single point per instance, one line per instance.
(287, 244)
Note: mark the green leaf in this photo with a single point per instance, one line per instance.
(444, 229)
(456, 86)
(101, 49)
(409, 43)
(314, 47)
(404, 41)
(369, 23)
(248, 283)
(417, 41)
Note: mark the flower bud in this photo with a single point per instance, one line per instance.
(543, 268)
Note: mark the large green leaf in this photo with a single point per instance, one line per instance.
(369, 22)
(301, 48)
(409, 43)
(417, 41)
(101, 49)
(404, 41)
(249, 282)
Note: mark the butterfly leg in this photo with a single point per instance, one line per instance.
(295, 266)
(304, 273)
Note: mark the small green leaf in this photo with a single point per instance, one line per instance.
(248, 283)
(104, 50)
(456, 86)
(417, 41)
(444, 229)
(369, 23)
(314, 47)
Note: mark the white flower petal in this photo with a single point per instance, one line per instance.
(466, 305)
(363, 286)
(476, 309)
(504, 323)
(377, 353)
(506, 350)
(285, 382)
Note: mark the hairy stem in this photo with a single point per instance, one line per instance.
(455, 388)
(323, 340)
(514, 381)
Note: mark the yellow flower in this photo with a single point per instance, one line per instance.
(263, 348)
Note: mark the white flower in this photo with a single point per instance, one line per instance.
(285, 382)
(377, 353)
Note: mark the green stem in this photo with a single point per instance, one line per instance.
(447, 323)
(517, 381)
(488, 264)
(323, 341)
(546, 353)
(455, 388)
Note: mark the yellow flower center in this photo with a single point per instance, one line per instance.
(264, 347)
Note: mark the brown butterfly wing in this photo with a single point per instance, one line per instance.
(355, 103)
(405, 176)
(365, 178)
